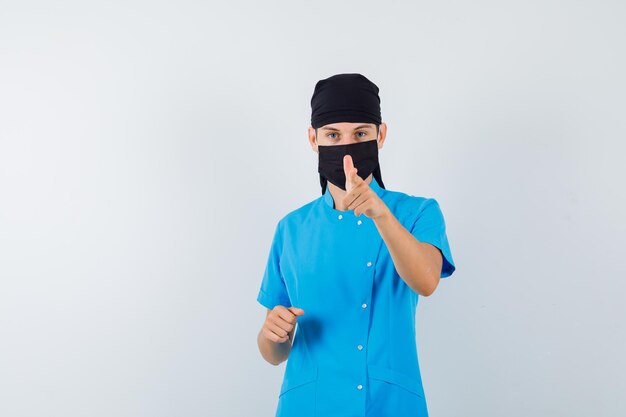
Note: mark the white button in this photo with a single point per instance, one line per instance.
(359, 386)
(359, 222)
(364, 305)
(340, 216)
(369, 264)
(360, 347)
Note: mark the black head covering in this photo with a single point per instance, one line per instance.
(346, 98)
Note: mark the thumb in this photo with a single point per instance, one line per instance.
(297, 311)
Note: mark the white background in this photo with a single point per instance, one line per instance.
(147, 150)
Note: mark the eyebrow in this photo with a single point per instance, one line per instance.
(356, 128)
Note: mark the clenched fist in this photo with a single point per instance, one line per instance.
(280, 322)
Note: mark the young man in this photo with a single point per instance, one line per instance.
(348, 268)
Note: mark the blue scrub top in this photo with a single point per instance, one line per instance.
(354, 352)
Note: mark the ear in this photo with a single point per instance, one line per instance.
(312, 139)
(382, 134)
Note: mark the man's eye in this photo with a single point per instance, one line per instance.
(364, 134)
(329, 135)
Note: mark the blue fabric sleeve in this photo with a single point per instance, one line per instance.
(430, 227)
(273, 290)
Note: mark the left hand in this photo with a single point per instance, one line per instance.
(359, 196)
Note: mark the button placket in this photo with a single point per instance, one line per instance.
(360, 347)
(365, 227)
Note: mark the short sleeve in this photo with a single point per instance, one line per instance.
(430, 227)
(273, 290)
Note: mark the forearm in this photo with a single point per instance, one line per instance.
(412, 258)
(273, 352)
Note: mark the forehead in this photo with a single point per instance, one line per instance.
(347, 126)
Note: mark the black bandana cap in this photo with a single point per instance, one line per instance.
(345, 98)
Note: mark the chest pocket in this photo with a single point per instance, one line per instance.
(297, 394)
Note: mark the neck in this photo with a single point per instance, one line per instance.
(338, 194)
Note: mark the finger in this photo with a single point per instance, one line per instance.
(279, 330)
(348, 165)
(285, 314)
(359, 200)
(296, 310)
(351, 173)
(282, 323)
(273, 336)
(360, 207)
(353, 194)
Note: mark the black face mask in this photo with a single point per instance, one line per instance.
(364, 157)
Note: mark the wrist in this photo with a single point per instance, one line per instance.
(385, 215)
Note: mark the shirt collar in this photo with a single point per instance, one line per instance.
(328, 197)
